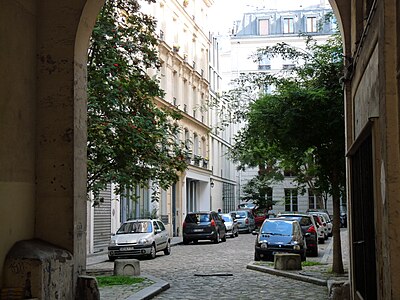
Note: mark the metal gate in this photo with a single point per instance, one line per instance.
(102, 221)
(363, 222)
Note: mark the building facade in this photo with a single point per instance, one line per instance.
(263, 27)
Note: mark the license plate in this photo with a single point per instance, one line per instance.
(198, 230)
(127, 249)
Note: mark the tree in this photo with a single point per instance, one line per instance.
(300, 125)
(131, 140)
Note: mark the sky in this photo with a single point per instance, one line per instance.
(224, 12)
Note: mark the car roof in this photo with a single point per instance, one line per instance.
(141, 220)
(295, 214)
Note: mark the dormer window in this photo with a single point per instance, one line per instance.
(288, 25)
(263, 27)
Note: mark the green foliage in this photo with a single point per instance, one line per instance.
(300, 126)
(118, 280)
(131, 141)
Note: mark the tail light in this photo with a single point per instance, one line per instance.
(247, 221)
(311, 229)
(212, 222)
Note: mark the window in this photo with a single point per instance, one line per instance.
(187, 140)
(291, 200)
(288, 25)
(263, 27)
(196, 144)
(314, 200)
(287, 66)
(264, 63)
(311, 24)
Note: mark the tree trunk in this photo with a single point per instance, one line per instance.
(337, 264)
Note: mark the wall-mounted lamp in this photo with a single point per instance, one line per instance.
(211, 182)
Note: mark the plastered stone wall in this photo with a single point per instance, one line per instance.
(42, 270)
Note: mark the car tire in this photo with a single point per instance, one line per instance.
(152, 254)
(216, 240)
(237, 233)
(303, 256)
(167, 250)
(224, 238)
(257, 256)
(321, 241)
(111, 258)
(195, 241)
(186, 241)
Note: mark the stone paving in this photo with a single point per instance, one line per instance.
(209, 271)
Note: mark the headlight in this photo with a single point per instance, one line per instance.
(143, 241)
(296, 247)
(264, 245)
(113, 242)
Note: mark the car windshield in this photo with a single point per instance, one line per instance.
(135, 227)
(242, 214)
(277, 228)
(196, 218)
(227, 218)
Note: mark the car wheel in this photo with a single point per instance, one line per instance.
(185, 241)
(224, 238)
(152, 254)
(321, 241)
(257, 256)
(315, 252)
(111, 258)
(303, 256)
(216, 240)
(195, 241)
(167, 250)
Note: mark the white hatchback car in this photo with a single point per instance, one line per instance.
(139, 238)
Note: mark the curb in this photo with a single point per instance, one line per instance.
(300, 277)
(156, 288)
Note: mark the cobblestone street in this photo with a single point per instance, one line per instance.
(188, 267)
(209, 271)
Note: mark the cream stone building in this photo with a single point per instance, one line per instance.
(43, 213)
(184, 76)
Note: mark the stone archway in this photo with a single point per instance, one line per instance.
(43, 131)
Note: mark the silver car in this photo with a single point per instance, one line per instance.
(245, 220)
(139, 238)
(231, 225)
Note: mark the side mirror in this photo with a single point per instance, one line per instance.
(307, 234)
(254, 232)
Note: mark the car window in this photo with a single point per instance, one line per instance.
(226, 218)
(242, 214)
(192, 218)
(304, 221)
(161, 225)
(277, 227)
(135, 227)
(204, 218)
(155, 225)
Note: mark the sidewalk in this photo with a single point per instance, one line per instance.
(319, 274)
(152, 287)
(94, 259)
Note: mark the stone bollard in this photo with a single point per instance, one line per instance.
(339, 290)
(127, 267)
(87, 288)
(287, 261)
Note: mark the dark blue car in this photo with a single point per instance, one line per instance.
(278, 236)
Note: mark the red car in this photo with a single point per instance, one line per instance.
(260, 214)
